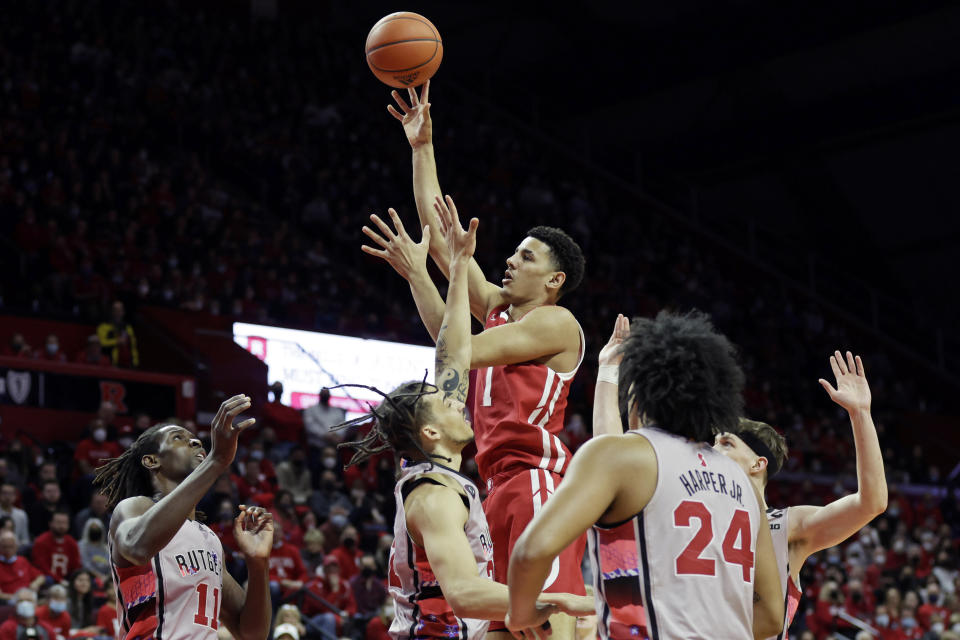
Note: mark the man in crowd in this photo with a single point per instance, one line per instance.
(16, 572)
(55, 552)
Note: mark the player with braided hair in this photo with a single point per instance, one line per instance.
(168, 568)
(441, 562)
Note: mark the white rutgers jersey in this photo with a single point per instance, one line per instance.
(780, 532)
(421, 610)
(688, 558)
(177, 595)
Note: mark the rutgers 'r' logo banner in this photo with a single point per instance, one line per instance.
(114, 392)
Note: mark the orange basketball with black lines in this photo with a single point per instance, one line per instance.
(404, 49)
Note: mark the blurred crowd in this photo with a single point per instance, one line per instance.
(189, 156)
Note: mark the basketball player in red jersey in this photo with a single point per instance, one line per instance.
(168, 568)
(800, 531)
(441, 559)
(526, 358)
(705, 565)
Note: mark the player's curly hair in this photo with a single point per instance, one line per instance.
(567, 255)
(125, 476)
(396, 422)
(681, 375)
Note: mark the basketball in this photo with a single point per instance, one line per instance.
(404, 49)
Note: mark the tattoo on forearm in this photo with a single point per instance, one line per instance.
(453, 382)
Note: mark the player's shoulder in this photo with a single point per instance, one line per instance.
(430, 486)
(614, 447)
(129, 508)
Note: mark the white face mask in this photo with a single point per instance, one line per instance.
(58, 606)
(937, 627)
(26, 609)
(99, 435)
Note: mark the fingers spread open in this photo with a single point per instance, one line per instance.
(376, 237)
(383, 226)
(400, 101)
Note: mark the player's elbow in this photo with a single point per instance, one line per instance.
(874, 503)
(767, 624)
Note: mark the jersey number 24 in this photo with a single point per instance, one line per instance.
(736, 543)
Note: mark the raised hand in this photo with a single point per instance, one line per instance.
(461, 242)
(253, 530)
(223, 433)
(398, 249)
(612, 353)
(415, 117)
(852, 391)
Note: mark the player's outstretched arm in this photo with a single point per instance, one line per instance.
(140, 528)
(453, 339)
(418, 127)
(768, 605)
(246, 612)
(409, 259)
(606, 394)
(589, 488)
(814, 528)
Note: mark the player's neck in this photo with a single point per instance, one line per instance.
(761, 491)
(517, 310)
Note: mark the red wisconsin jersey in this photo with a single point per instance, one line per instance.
(518, 412)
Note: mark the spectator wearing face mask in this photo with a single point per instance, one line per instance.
(16, 572)
(908, 623)
(293, 476)
(95, 448)
(99, 509)
(333, 588)
(51, 350)
(369, 589)
(347, 553)
(285, 511)
(55, 613)
(327, 497)
(94, 556)
(24, 623)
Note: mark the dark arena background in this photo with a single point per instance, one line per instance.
(192, 178)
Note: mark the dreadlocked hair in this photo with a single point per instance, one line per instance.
(396, 422)
(681, 375)
(125, 476)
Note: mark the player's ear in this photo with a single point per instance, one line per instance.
(150, 461)
(557, 278)
(760, 465)
(429, 433)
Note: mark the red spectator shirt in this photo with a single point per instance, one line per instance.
(342, 598)
(286, 564)
(107, 618)
(59, 623)
(92, 451)
(57, 559)
(376, 630)
(102, 360)
(17, 575)
(8, 630)
(286, 421)
(348, 561)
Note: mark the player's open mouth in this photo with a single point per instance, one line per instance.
(201, 456)
(507, 278)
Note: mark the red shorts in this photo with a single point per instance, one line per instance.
(510, 506)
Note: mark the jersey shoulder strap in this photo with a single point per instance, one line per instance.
(409, 486)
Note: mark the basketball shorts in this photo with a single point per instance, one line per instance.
(509, 507)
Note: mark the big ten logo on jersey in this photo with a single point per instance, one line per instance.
(192, 562)
(773, 517)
